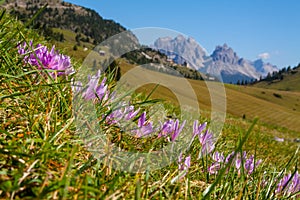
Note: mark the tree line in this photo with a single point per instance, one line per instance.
(274, 76)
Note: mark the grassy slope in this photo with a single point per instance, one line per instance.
(289, 83)
(262, 103)
(249, 101)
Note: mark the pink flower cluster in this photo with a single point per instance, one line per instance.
(43, 58)
(169, 129)
(249, 163)
(289, 185)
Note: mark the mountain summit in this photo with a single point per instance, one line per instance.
(223, 62)
(182, 50)
(225, 54)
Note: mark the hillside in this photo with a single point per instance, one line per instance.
(73, 28)
(286, 79)
(277, 108)
(66, 16)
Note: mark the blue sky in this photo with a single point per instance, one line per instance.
(270, 28)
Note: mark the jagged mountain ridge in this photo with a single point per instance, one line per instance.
(223, 61)
(226, 62)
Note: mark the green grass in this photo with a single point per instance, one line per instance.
(42, 157)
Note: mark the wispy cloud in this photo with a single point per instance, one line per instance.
(264, 55)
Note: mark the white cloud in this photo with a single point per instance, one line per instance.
(264, 56)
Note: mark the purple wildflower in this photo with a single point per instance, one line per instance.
(283, 184)
(123, 114)
(167, 128)
(218, 157)
(42, 58)
(216, 166)
(289, 185)
(93, 90)
(239, 160)
(171, 128)
(177, 130)
(228, 157)
(249, 164)
(207, 142)
(142, 119)
(197, 130)
(278, 139)
(184, 166)
(130, 113)
(115, 116)
(144, 127)
(219, 161)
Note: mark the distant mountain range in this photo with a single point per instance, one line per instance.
(223, 61)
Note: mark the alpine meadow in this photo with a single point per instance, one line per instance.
(71, 133)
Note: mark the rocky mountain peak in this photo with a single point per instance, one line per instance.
(182, 49)
(258, 64)
(264, 68)
(180, 38)
(225, 54)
